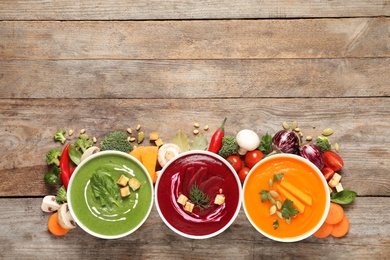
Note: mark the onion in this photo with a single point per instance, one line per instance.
(313, 154)
(286, 141)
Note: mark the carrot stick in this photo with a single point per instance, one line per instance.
(303, 197)
(335, 215)
(324, 231)
(54, 227)
(297, 203)
(341, 229)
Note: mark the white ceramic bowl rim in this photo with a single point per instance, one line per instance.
(327, 203)
(91, 157)
(219, 158)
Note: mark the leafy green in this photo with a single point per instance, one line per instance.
(288, 209)
(199, 143)
(199, 197)
(343, 197)
(265, 195)
(181, 140)
(278, 177)
(105, 189)
(276, 224)
(74, 154)
(265, 144)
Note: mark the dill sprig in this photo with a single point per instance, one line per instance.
(199, 198)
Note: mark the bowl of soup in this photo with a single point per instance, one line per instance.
(110, 194)
(286, 198)
(198, 194)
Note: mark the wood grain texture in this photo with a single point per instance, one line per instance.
(364, 77)
(213, 9)
(154, 240)
(225, 39)
(29, 124)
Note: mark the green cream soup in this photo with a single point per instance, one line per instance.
(121, 217)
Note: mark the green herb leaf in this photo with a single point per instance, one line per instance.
(343, 197)
(265, 143)
(74, 154)
(276, 224)
(278, 177)
(199, 143)
(264, 195)
(288, 210)
(199, 197)
(181, 140)
(105, 189)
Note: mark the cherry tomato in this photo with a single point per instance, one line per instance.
(243, 173)
(333, 160)
(328, 173)
(235, 161)
(253, 157)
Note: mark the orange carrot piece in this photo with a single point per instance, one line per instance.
(54, 227)
(302, 196)
(335, 215)
(324, 231)
(297, 203)
(149, 160)
(341, 229)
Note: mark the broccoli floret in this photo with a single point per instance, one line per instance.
(60, 136)
(116, 140)
(323, 143)
(83, 144)
(61, 195)
(229, 146)
(52, 157)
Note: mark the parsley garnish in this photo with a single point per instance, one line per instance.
(288, 210)
(276, 224)
(278, 177)
(265, 195)
(265, 143)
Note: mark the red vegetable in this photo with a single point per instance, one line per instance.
(253, 157)
(65, 166)
(235, 161)
(216, 139)
(313, 154)
(333, 160)
(328, 173)
(243, 173)
(286, 141)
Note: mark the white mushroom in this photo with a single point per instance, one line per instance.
(65, 218)
(247, 140)
(166, 152)
(91, 150)
(49, 204)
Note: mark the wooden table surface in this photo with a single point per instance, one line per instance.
(109, 65)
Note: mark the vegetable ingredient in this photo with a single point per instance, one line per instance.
(247, 140)
(229, 146)
(297, 203)
(65, 219)
(323, 143)
(253, 157)
(49, 204)
(341, 229)
(343, 197)
(235, 162)
(82, 144)
(327, 172)
(54, 227)
(335, 215)
(216, 139)
(333, 160)
(137, 152)
(53, 157)
(167, 152)
(105, 190)
(324, 231)
(198, 197)
(60, 136)
(51, 178)
(288, 210)
(116, 140)
(149, 160)
(302, 196)
(313, 154)
(199, 143)
(243, 173)
(65, 166)
(74, 154)
(91, 150)
(266, 144)
(61, 195)
(286, 141)
(181, 140)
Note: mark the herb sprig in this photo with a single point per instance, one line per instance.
(199, 197)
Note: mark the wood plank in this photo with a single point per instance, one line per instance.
(218, 39)
(177, 78)
(27, 125)
(27, 237)
(213, 9)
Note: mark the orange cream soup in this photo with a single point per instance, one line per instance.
(301, 176)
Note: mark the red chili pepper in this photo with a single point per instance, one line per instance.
(216, 139)
(333, 160)
(65, 166)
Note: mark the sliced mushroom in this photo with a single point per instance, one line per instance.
(91, 150)
(65, 219)
(167, 152)
(49, 204)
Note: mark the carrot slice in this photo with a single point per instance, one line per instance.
(302, 196)
(54, 227)
(335, 215)
(324, 231)
(297, 203)
(341, 229)
(149, 160)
